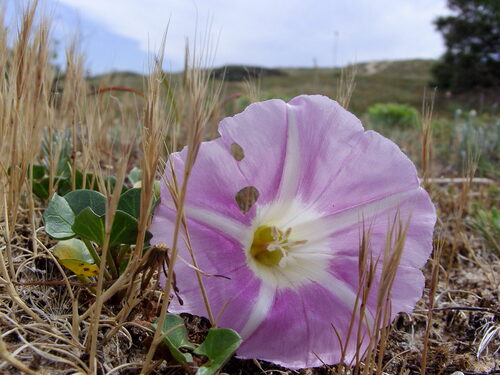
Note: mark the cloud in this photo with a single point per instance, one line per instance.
(279, 32)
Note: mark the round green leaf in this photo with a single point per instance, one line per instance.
(177, 338)
(81, 199)
(59, 218)
(130, 202)
(219, 346)
(41, 188)
(124, 229)
(89, 226)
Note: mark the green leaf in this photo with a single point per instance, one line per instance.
(111, 183)
(41, 189)
(81, 199)
(59, 218)
(219, 346)
(123, 266)
(124, 229)
(63, 185)
(89, 183)
(38, 172)
(130, 202)
(74, 255)
(134, 175)
(177, 338)
(90, 226)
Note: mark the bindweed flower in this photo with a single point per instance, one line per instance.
(290, 259)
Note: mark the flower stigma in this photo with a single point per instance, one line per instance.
(271, 246)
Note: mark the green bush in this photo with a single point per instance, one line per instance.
(392, 115)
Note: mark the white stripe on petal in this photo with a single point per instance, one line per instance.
(356, 215)
(232, 228)
(291, 168)
(260, 310)
(344, 292)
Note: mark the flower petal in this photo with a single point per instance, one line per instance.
(325, 136)
(413, 207)
(261, 131)
(214, 181)
(375, 169)
(231, 285)
(299, 328)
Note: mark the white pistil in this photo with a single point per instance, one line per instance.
(282, 243)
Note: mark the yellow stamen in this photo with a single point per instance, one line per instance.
(270, 245)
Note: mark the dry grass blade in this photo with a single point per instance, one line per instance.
(436, 258)
(9, 358)
(426, 155)
(346, 85)
(199, 102)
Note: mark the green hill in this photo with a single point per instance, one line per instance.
(375, 82)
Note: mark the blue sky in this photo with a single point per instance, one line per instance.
(120, 34)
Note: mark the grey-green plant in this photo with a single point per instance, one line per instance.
(486, 222)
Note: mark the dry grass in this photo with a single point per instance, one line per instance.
(52, 323)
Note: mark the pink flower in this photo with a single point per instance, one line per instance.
(291, 260)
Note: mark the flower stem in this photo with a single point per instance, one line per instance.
(96, 257)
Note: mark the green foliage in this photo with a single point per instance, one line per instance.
(81, 199)
(472, 38)
(60, 148)
(479, 137)
(218, 347)
(486, 222)
(130, 202)
(392, 115)
(134, 176)
(90, 226)
(82, 214)
(59, 219)
(468, 136)
(176, 338)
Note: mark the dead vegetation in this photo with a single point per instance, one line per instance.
(52, 323)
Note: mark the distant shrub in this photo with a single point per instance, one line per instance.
(392, 115)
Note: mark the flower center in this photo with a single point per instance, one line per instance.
(271, 246)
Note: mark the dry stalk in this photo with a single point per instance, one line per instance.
(461, 205)
(112, 204)
(24, 111)
(436, 259)
(252, 88)
(13, 361)
(426, 137)
(346, 85)
(25, 107)
(71, 112)
(156, 125)
(201, 101)
(395, 241)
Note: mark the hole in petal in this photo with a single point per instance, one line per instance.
(246, 198)
(237, 151)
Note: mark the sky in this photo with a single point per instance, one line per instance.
(118, 35)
